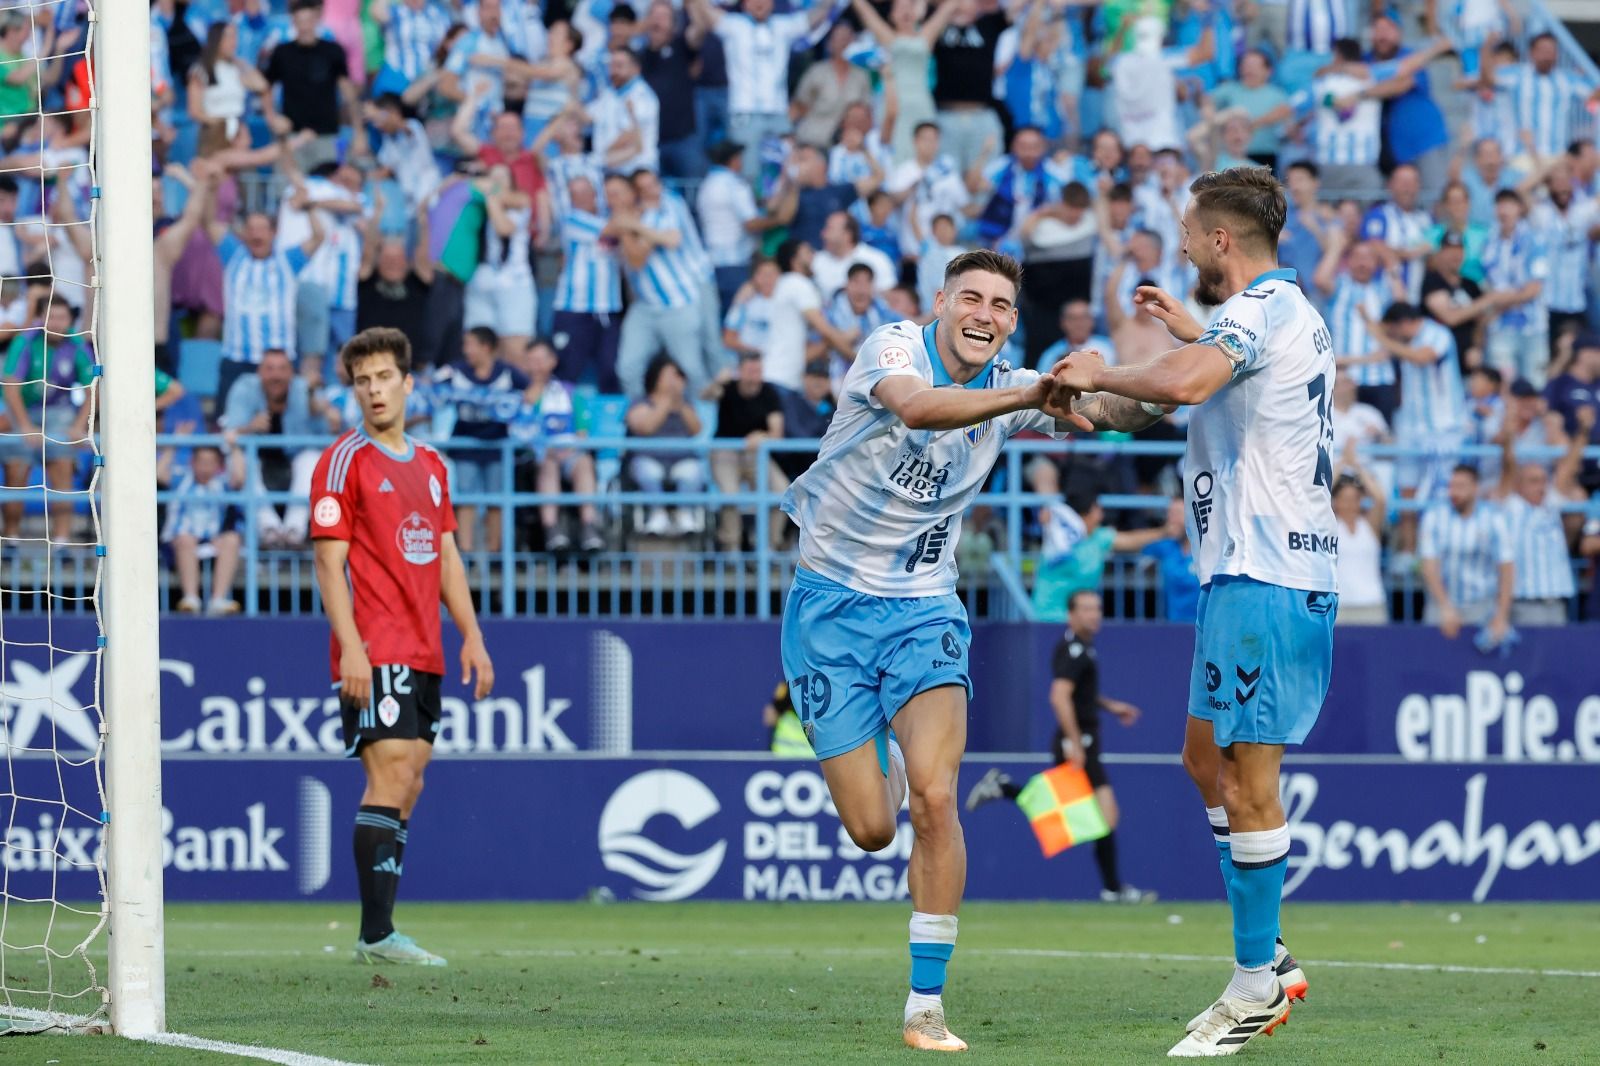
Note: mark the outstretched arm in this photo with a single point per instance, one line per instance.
(921, 406)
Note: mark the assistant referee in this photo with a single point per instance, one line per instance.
(1077, 702)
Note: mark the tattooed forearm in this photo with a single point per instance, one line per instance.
(1111, 412)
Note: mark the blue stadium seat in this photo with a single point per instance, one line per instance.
(198, 363)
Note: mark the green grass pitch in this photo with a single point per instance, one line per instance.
(824, 983)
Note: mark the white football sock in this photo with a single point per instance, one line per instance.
(1259, 984)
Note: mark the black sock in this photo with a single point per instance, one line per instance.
(1105, 854)
(400, 844)
(377, 869)
(1010, 789)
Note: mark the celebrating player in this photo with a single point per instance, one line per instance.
(380, 504)
(1257, 481)
(874, 635)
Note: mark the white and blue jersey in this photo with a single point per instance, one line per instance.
(561, 170)
(1509, 263)
(487, 83)
(196, 512)
(846, 167)
(1565, 233)
(336, 264)
(1539, 550)
(260, 297)
(1546, 105)
(548, 422)
(591, 281)
(751, 321)
(1433, 401)
(1470, 549)
(412, 36)
(693, 247)
(1353, 138)
(880, 510)
(1258, 474)
(1315, 24)
(1258, 477)
(671, 277)
(844, 317)
(1401, 229)
(1496, 117)
(1351, 337)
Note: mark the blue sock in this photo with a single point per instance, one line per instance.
(933, 941)
(1260, 860)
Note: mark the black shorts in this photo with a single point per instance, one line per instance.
(1092, 765)
(404, 706)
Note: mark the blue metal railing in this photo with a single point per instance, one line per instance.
(675, 582)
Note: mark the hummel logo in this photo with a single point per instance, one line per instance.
(1247, 683)
(386, 487)
(387, 866)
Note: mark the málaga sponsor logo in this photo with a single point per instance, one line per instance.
(1466, 842)
(256, 840)
(793, 846)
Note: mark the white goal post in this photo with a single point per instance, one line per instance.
(136, 981)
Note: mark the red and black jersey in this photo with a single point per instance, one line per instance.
(394, 510)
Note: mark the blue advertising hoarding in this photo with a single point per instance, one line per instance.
(239, 687)
(1435, 773)
(564, 827)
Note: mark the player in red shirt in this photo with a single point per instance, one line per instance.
(380, 507)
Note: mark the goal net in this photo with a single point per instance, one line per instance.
(60, 610)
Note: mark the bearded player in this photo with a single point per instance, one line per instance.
(1257, 480)
(380, 509)
(874, 636)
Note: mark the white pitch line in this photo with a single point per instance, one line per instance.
(248, 1051)
(1045, 953)
(1333, 964)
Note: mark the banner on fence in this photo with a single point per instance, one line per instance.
(765, 829)
(251, 687)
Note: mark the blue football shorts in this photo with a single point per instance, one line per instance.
(1263, 655)
(853, 660)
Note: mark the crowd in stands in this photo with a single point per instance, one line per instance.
(705, 209)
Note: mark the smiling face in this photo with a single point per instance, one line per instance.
(977, 313)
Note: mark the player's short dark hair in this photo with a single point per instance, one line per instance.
(1077, 594)
(987, 261)
(1347, 49)
(858, 269)
(376, 341)
(1465, 468)
(1246, 201)
(1309, 167)
(657, 367)
(1075, 194)
(485, 336)
(1401, 312)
